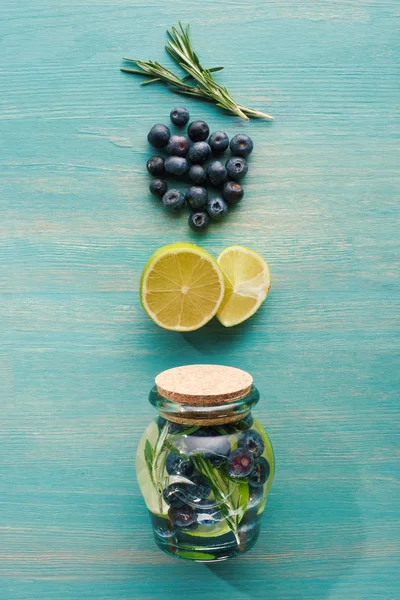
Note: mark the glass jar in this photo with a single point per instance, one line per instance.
(205, 466)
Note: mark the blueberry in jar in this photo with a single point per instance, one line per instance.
(240, 463)
(199, 152)
(210, 444)
(199, 221)
(176, 165)
(155, 165)
(181, 516)
(178, 145)
(179, 116)
(197, 489)
(241, 145)
(178, 465)
(260, 472)
(207, 515)
(236, 167)
(173, 200)
(216, 172)
(174, 427)
(196, 197)
(232, 192)
(198, 131)
(158, 187)
(175, 495)
(218, 142)
(158, 136)
(197, 175)
(252, 441)
(217, 208)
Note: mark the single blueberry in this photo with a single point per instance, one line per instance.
(196, 197)
(178, 145)
(219, 142)
(252, 441)
(179, 116)
(198, 221)
(249, 522)
(241, 145)
(256, 493)
(197, 174)
(173, 200)
(175, 495)
(197, 489)
(210, 444)
(181, 516)
(199, 152)
(178, 465)
(217, 208)
(198, 131)
(216, 172)
(232, 192)
(236, 167)
(155, 165)
(175, 427)
(260, 472)
(240, 463)
(158, 136)
(176, 165)
(158, 187)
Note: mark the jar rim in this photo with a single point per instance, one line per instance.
(204, 414)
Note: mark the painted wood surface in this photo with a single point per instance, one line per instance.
(78, 355)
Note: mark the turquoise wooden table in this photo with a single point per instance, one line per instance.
(78, 355)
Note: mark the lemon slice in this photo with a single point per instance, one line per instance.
(181, 287)
(247, 283)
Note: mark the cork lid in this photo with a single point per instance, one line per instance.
(203, 384)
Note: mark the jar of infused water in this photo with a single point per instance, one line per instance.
(205, 466)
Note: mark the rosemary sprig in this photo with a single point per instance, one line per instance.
(180, 48)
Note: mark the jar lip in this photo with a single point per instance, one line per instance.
(209, 414)
(204, 384)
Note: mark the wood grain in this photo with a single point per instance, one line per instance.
(78, 356)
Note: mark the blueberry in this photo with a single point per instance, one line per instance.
(198, 221)
(210, 444)
(197, 174)
(206, 514)
(236, 167)
(181, 516)
(178, 145)
(178, 465)
(173, 200)
(249, 522)
(252, 441)
(241, 145)
(158, 136)
(197, 489)
(198, 131)
(232, 192)
(240, 463)
(260, 472)
(219, 142)
(256, 492)
(158, 187)
(217, 208)
(199, 152)
(216, 172)
(175, 427)
(155, 165)
(176, 165)
(179, 116)
(196, 197)
(175, 495)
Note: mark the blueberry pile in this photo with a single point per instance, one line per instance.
(200, 160)
(190, 499)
